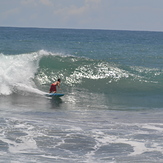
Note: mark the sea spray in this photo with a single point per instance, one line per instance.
(18, 71)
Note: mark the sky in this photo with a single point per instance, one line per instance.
(142, 15)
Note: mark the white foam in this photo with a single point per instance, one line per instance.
(139, 145)
(27, 144)
(18, 71)
(24, 142)
(153, 127)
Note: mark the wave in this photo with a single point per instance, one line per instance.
(34, 72)
(98, 75)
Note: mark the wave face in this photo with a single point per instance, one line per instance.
(99, 76)
(36, 71)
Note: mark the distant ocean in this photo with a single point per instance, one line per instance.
(112, 110)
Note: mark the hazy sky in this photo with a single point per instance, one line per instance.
(87, 14)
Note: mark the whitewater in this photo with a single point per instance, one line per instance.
(112, 107)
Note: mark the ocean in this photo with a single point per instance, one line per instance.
(112, 110)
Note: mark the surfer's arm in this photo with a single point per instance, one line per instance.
(58, 84)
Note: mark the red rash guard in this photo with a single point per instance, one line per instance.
(53, 88)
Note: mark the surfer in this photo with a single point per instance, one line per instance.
(53, 87)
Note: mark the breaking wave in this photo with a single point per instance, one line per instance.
(33, 72)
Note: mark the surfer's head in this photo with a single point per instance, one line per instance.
(59, 80)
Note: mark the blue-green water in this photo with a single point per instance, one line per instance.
(112, 108)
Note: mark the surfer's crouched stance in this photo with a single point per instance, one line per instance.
(53, 86)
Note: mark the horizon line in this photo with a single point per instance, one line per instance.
(132, 30)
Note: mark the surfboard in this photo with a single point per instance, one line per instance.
(54, 94)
